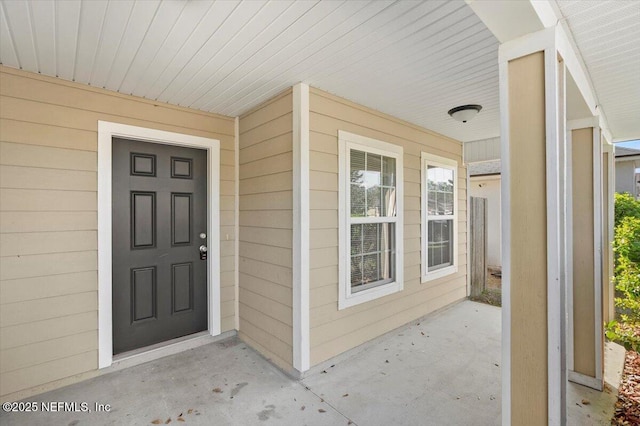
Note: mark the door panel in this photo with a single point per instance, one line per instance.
(159, 211)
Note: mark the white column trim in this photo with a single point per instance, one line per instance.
(505, 208)
(106, 132)
(236, 274)
(301, 326)
(569, 251)
(597, 254)
(555, 280)
(611, 184)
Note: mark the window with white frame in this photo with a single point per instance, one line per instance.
(371, 183)
(439, 216)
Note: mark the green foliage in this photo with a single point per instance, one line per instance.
(626, 245)
(625, 206)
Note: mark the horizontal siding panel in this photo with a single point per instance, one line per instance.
(323, 200)
(327, 313)
(47, 200)
(322, 257)
(323, 181)
(276, 274)
(268, 111)
(48, 372)
(323, 219)
(271, 201)
(47, 264)
(49, 350)
(228, 323)
(286, 365)
(268, 307)
(320, 238)
(32, 332)
(38, 178)
(22, 289)
(282, 219)
(42, 309)
(279, 330)
(47, 242)
(323, 143)
(264, 184)
(15, 154)
(103, 101)
(273, 345)
(267, 236)
(27, 133)
(323, 162)
(273, 255)
(327, 275)
(267, 289)
(267, 166)
(47, 221)
(268, 130)
(55, 115)
(267, 148)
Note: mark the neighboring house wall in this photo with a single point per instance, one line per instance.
(48, 221)
(626, 176)
(266, 229)
(334, 331)
(489, 187)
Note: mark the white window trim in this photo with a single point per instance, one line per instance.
(347, 141)
(434, 160)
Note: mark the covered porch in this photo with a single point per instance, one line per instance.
(441, 369)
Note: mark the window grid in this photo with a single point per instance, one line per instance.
(439, 215)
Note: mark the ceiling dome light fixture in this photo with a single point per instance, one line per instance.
(464, 113)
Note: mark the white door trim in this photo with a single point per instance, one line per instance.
(106, 132)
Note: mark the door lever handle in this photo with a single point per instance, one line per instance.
(203, 252)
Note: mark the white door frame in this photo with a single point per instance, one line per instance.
(106, 132)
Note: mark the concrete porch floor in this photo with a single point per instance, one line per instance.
(441, 370)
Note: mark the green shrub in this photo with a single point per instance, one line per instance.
(626, 245)
(625, 206)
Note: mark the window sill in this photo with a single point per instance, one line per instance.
(369, 295)
(449, 270)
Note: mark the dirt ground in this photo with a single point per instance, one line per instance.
(493, 293)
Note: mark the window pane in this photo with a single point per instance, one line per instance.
(358, 200)
(440, 191)
(356, 239)
(356, 271)
(357, 166)
(375, 264)
(373, 201)
(440, 244)
(388, 171)
(370, 238)
(388, 202)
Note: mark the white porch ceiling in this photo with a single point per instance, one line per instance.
(607, 33)
(413, 60)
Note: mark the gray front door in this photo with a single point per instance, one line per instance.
(159, 217)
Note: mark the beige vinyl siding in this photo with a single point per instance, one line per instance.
(334, 331)
(48, 221)
(266, 224)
